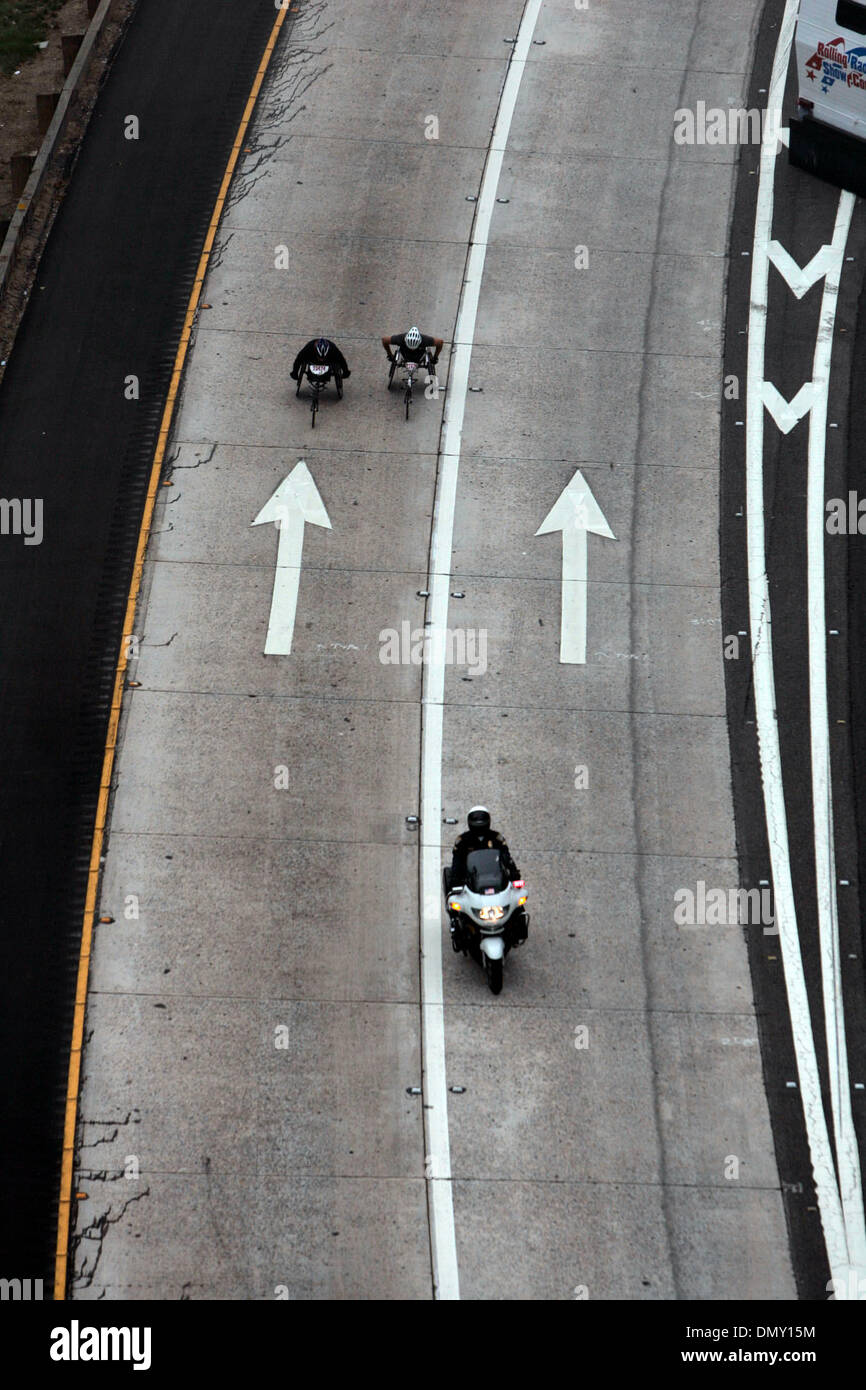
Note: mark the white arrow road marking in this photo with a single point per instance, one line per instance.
(842, 1228)
(787, 413)
(440, 1203)
(574, 513)
(800, 278)
(295, 502)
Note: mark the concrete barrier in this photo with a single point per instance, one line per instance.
(66, 106)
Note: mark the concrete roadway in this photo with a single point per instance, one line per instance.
(261, 908)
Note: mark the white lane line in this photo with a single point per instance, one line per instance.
(829, 1203)
(438, 1163)
(847, 1154)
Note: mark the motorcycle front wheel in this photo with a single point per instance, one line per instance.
(493, 970)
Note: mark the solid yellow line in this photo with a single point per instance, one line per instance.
(71, 1116)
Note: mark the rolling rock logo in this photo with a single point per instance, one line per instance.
(835, 65)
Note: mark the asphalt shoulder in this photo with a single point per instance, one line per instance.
(80, 408)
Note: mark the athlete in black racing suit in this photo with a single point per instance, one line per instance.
(321, 350)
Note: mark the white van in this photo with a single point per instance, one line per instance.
(828, 133)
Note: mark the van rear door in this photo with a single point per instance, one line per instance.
(830, 53)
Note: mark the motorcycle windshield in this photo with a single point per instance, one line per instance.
(485, 872)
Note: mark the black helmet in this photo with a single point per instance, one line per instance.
(323, 347)
(478, 820)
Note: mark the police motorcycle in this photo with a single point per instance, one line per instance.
(488, 912)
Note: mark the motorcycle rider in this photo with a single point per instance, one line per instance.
(328, 354)
(412, 346)
(479, 835)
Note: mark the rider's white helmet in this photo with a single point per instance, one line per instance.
(413, 338)
(478, 819)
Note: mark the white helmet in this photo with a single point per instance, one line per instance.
(478, 820)
(413, 338)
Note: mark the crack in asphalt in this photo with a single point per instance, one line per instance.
(96, 1231)
(288, 83)
(175, 467)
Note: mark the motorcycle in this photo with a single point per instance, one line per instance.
(488, 912)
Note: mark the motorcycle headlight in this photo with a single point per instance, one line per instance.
(491, 914)
(454, 907)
